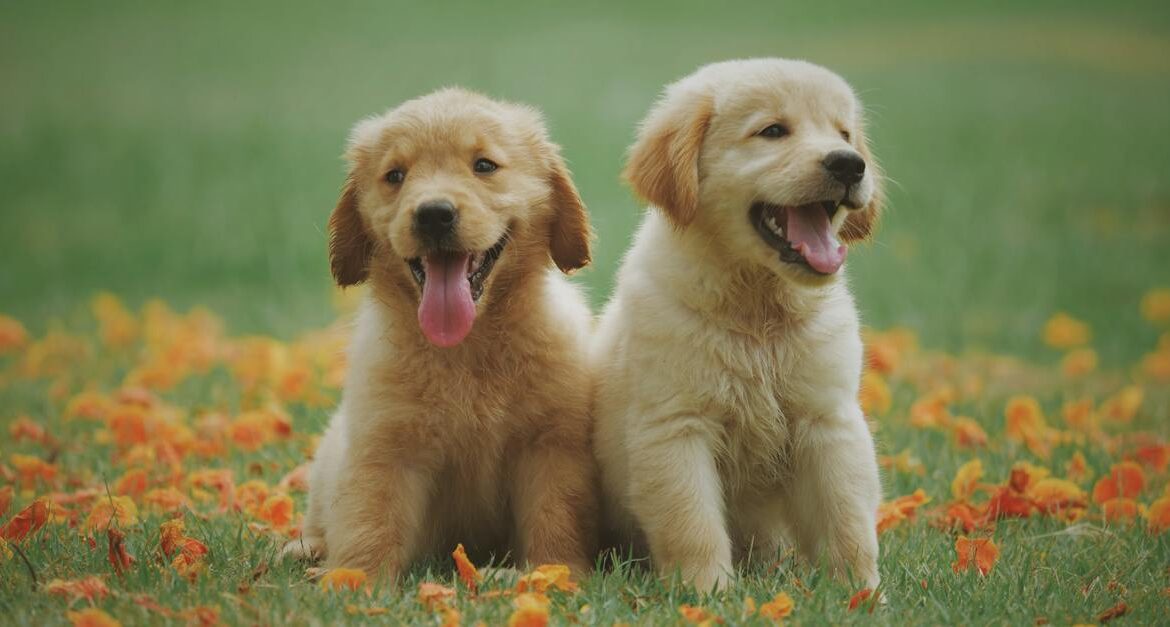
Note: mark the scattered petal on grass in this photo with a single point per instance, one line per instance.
(165, 500)
(33, 470)
(91, 617)
(1121, 510)
(1156, 456)
(114, 510)
(1124, 405)
(26, 521)
(547, 576)
(467, 571)
(1077, 468)
(12, 335)
(892, 513)
(1117, 611)
(968, 433)
(1125, 479)
(88, 589)
(778, 608)
(1026, 423)
(1055, 495)
(1158, 515)
(860, 597)
(1062, 331)
(1078, 363)
(698, 615)
(434, 596)
(966, 479)
(1156, 305)
(201, 615)
(980, 553)
(24, 428)
(354, 610)
(277, 510)
(531, 610)
(338, 579)
(119, 558)
(6, 493)
(903, 462)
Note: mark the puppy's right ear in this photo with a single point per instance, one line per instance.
(350, 247)
(664, 161)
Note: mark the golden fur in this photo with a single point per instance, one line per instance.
(488, 442)
(727, 378)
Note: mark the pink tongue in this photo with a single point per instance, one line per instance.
(812, 236)
(446, 311)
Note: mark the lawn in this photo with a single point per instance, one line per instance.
(189, 153)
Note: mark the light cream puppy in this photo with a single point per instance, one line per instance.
(729, 359)
(465, 416)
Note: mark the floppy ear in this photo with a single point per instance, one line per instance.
(570, 231)
(663, 167)
(860, 225)
(349, 244)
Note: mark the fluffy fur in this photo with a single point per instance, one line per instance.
(486, 443)
(727, 378)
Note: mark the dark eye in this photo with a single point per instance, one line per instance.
(845, 135)
(774, 131)
(395, 176)
(485, 166)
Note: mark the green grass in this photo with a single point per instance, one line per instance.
(189, 151)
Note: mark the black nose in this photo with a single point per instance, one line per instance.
(435, 219)
(845, 165)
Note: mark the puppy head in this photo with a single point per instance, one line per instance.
(446, 195)
(769, 157)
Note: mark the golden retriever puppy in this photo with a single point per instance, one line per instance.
(728, 360)
(465, 410)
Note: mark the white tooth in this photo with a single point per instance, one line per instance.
(770, 222)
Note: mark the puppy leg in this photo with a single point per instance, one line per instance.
(835, 494)
(555, 503)
(377, 517)
(677, 497)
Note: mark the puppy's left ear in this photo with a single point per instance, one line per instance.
(860, 225)
(570, 232)
(663, 167)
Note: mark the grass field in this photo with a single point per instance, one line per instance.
(189, 152)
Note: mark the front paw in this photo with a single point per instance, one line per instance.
(303, 549)
(708, 577)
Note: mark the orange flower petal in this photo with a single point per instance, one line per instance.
(467, 572)
(547, 576)
(434, 596)
(981, 553)
(338, 579)
(1121, 510)
(778, 608)
(92, 617)
(1158, 515)
(531, 610)
(1063, 331)
(27, 521)
(90, 588)
(1125, 479)
(966, 479)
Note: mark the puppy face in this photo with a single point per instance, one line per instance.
(769, 157)
(447, 193)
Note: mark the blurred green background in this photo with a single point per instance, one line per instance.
(190, 151)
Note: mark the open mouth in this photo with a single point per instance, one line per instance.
(452, 282)
(802, 235)
(478, 265)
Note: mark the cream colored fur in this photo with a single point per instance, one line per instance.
(727, 379)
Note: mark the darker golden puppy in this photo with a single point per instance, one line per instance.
(465, 411)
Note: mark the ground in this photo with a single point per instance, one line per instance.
(190, 154)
